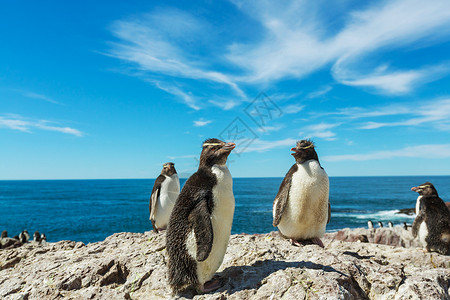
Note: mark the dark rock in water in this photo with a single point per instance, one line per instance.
(407, 211)
(266, 266)
(412, 211)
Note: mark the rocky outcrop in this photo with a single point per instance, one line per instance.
(133, 266)
(396, 236)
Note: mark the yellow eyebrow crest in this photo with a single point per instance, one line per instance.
(211, 144)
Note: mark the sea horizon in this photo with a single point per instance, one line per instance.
(89, 210)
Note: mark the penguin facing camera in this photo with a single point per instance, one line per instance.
(301, 209)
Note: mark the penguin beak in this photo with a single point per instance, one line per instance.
(414, 188)
(295, 151)
(229, 146)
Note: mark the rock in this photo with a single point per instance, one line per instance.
(412, 211)
(396, 236)
(133, 266)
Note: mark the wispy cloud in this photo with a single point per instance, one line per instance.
(298, 42)
(39, 96)
(201, 123)
(435, 113)
(293, 109)
(187, 98)
(259, 145)
(435, 151)
(159, 43)
(268, 129)
(321, 130)
(26, 125)
(320, 92)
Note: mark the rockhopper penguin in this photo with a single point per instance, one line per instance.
(200, 224)
(301, 209)
(164, 194)
(432, 223)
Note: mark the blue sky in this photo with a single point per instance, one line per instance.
(113, 89)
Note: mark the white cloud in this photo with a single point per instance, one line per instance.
(431, 151)
(297, 41)
(201, 123)
(267, 129)
(39, 96)
(435, 113)
(18, 123)
(187, 98)
(293, 109)
(321, 130)
(259, 145)
(319, 93)
(157, 43)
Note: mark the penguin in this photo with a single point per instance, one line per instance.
(37, 237)
(200, 223)
(432, 223)
(43, 237)
(301, 209)
(7, 242)
(24, 236)
(405, 226)
(390, 224)
(164, 194)
(370, 224)
(380, 224)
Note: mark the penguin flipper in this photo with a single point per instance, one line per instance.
(200, 218)
(279, 204)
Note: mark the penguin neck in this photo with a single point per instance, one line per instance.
(302, 161)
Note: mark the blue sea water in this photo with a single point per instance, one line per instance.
(91, 210)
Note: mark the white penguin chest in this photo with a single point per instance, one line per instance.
(306, 211)
(309, 182)
(170, 189)
(222, 220)
(418, 204)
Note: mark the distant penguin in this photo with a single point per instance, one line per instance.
(432, 223)
(24, 237)
(37, 237)
(380, 224)
(43, 237)
(370, 224)
(405, 226)
(390, 224)
(164, 194)
(200, 223)
(7, 242)
(301, 209)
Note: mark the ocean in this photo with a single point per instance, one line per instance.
(91, 210)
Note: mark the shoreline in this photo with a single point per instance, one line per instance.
(132, 266)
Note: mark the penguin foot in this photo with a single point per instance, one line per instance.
(295, 243)
(210, 286)
(317, 241)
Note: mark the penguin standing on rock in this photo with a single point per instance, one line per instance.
(164, 194)
(24, 236)
(432, 223)
(200, 223)
(301, 209)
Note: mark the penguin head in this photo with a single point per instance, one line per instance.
(426, 189)
(304, 151)
(215, 152)
(168, 169)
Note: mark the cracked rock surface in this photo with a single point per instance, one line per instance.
(133, 266)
